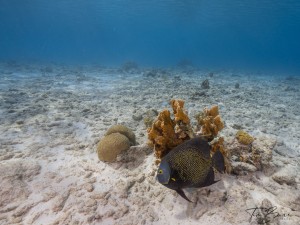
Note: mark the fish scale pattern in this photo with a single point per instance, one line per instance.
(191, 165)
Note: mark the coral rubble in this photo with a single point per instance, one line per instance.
(257, 154)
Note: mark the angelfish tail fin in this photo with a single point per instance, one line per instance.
(182, 194)
(218, 161)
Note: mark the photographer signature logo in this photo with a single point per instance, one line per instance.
(265, 215)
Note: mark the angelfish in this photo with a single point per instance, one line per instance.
(189, 165)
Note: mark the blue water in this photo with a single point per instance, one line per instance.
(208, 33)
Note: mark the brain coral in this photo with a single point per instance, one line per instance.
(112, 145)
(118, 128)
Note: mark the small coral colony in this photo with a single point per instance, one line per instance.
(199, 151)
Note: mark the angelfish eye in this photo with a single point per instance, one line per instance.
(160, 171)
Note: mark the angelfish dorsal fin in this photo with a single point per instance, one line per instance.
(182, 194)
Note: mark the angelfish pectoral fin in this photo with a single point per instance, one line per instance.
(182, 194)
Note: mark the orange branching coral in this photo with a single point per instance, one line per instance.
(162, 134)
(213, 111)
(210, 122)
(209, 125)
(183, 128)
(218, 123)
(178, 110)
(166, 133)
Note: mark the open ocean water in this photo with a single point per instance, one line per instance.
(224, 34)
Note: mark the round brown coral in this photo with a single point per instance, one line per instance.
(112, 145)
(118, 128)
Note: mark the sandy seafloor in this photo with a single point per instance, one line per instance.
(53, 117)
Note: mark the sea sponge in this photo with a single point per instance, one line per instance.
(244, 138)
(166, 133)
(118, 128)
(111, 145)
(210, 122)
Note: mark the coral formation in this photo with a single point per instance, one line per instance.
(209, 122)
(209, 125)
(118, 128)
(258, 154)
(166, 133)
(179, 114)
(241, 155)
(117, 138)
(162, 134)
(112, 145)
(244, 138)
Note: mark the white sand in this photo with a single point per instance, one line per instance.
(51, 122)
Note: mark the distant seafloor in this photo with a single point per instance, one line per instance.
(52, 118)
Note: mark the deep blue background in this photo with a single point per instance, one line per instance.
(222, 33)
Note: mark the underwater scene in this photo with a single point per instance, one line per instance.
(149, 112)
